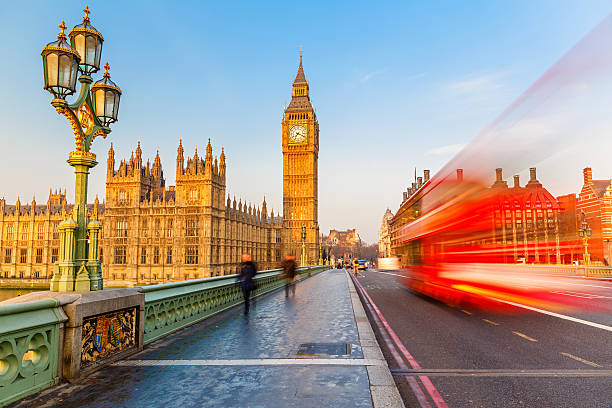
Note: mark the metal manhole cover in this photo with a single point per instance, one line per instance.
(330, 349)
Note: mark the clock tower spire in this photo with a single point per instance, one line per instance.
(300, 142)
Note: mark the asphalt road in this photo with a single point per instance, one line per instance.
(480, 358)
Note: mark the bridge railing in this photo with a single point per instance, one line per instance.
(173, 306)
(589, 271)
(30, 337)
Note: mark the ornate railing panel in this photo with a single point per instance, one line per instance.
(29, 347)
(172, 306)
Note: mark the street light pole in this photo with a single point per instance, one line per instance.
(303, 259)
(321, 250)
(585, 232)
(96, 107)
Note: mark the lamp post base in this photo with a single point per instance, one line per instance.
(63, 277)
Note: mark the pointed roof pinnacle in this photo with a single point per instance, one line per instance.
(300, 78)
(209, 149)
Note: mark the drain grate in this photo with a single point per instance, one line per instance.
(330, 349)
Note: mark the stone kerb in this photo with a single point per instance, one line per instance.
(30, 346)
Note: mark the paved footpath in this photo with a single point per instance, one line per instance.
(233, 360)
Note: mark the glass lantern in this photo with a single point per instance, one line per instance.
(106, 96)
(87, 41)
(60, 66)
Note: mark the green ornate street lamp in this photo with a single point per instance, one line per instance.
(96, 107)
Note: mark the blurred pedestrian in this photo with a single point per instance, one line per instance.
(248, 269)
(289, 273)
(355, 266)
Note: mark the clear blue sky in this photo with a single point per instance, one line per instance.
(396, 86)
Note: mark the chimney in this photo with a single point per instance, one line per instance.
(499, 182)
(425, 176)
(532, 174)
(414, 187)
(459, 174)
(588, 175)
(517, 182)
(419, 181)
(405, 196)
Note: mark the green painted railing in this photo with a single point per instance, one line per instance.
(173, 306)
(29, 347)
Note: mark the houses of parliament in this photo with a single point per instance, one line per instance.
(153, 233)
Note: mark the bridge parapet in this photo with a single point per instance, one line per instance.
(30, 340)
(173, 306)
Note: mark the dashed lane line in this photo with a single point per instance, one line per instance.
(524, 336)
(491, 322)
(582, 360)
(466, 312)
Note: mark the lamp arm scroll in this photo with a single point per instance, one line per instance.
(83, 141)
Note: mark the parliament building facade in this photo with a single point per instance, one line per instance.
(153, 233)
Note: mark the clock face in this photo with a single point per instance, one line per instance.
(297, 134)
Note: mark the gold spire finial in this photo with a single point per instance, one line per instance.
(86, 11)
(106, 68)
(62, 27)
(301, 52)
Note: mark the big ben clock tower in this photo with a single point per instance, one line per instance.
(300, 172)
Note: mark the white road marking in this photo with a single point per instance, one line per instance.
(255, 362)
(389, 273)
(559, 315)
(581, 295)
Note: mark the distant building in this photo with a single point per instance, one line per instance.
(150, 232)
(572, 248)
(595, 202)
(348, 238)
(511, 224)
(384, 235)
(29, 235)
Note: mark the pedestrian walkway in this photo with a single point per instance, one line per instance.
(316, 349)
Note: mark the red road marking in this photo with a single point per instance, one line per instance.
(431, 389)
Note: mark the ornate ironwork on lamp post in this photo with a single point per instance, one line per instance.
(303, 260)
(96, 107)
(585, 233)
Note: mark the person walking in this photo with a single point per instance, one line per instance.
(355, 267)
(248, 270)
(289, 273)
